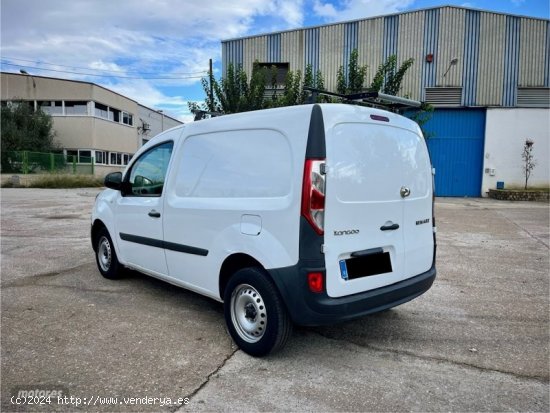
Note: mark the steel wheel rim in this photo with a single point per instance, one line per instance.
(104, 254)
(248, 313)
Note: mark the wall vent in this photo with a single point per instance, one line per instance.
(444, 96)
(533, 97)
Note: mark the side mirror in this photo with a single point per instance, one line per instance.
(114, 180)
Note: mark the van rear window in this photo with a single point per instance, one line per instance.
(370, 162)
(235, 164)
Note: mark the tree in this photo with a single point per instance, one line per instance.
(529, 161)
(388, 78)
(234, 93)
(23, 129)
(355, 79)
(294, 89)
(421, 116)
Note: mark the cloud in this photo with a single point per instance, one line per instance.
(155, 38)
(517, 3)
(340, 10)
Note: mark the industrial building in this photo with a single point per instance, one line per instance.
(487, 74)
(90, 121)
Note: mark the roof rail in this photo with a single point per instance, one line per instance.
(369, 98)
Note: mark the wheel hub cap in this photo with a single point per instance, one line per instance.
(248, 313)
(104, 254)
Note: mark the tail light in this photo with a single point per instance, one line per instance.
(315, 282)
(313, 194)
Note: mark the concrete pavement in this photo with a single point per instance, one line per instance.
(478, 340)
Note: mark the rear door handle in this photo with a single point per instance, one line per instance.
(154, 214)
(389, 227)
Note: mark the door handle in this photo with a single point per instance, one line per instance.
(389, 227)
(404, 191)
(154, 214)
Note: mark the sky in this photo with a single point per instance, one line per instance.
(156, 51)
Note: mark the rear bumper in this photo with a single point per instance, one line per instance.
(310, 309)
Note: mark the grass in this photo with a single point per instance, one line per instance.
(60, 181)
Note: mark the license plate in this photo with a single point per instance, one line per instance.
(365, 266)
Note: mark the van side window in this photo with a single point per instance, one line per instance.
(149, 171)
(246, 163)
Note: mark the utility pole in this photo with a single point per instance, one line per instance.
(211, 81)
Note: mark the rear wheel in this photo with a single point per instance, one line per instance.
(106, 259)
(255, 314)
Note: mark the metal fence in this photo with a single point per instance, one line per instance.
(27, 162)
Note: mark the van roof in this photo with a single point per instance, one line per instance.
(332, 113)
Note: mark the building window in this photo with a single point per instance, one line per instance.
(101, 157)
(54, 107)
(84, 156)
(127, 118)
(45, 106)
(76, 108)
(116, 158)
(101, 111)
(114, 115)
(279, 70)
(119, 158)
(72, 155)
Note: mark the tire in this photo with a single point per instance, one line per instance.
(255, 314)
(105, 256)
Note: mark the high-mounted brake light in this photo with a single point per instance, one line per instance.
(313, 195)
(380, 118)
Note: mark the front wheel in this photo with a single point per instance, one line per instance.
(255, 314)
(106, 259)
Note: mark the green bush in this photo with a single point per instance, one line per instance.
(61, 181)
(67, 181)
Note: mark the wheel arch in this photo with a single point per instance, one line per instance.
(231, 265)
(97, 226)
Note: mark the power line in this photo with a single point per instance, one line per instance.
(96, 75)
(92, 69)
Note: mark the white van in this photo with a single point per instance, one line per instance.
(308, 214)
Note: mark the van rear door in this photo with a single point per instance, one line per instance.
(378, 210)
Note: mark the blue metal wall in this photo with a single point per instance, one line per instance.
(350, 43)
(274, 48)
(431, 36)
(471, 53)
(511, 61)
(391, 33)
(456, 149)
(311, 49)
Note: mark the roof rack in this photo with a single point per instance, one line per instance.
(201, 114)
(370, 98)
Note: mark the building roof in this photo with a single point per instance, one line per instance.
(386, 15)
(91, 84)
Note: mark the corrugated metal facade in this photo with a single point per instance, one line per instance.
(496, 53)
(490, 73)
(410, 43)
(431, 37)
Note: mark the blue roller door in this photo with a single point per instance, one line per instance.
(456, 149)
